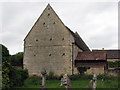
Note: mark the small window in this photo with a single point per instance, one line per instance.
(36, 40)
(53, 22)
(34, 55)
(44, 23)
(63, 54)
(62, 38)
(49, 54)
(48, 14)
(48, 8)
(50, 39)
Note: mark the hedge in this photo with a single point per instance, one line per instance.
(18, 76)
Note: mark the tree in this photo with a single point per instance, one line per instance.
(11, 76)
(5, 67)
(82, 69)
(17, 59)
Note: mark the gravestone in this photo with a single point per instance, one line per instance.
(94, 81)
(102, 82)
(66, 82)
(90, 84)
(43, 78)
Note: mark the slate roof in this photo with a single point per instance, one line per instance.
(88, 55)
(111, 54)
(78, 41)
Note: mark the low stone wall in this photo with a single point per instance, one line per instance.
(113, 71)
(97, 71)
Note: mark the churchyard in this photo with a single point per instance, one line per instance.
(77, 81)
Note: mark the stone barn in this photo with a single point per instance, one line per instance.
(51, 46)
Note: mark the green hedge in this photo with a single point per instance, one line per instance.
(18, 76)
(113, 64)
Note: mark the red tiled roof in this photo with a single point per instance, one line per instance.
(111, 54)
(88, 55)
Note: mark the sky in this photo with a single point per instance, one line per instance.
(96, 22)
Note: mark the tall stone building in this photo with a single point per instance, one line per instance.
(51, 46)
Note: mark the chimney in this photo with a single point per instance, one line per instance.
(102, 48)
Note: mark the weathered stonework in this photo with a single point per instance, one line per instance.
(96, 71)
(113, 60)
(49, 46)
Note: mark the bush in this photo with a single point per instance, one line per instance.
(78, 76)
(105, 77)
(34, 80)
(11, 76)
(17, 59)
(113, 64)
(74, 77)
(82, 69)
(18, 76)
(51, 76)
(5, 67)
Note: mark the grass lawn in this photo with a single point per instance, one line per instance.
(75, 83)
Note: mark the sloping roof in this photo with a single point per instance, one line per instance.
(111, 54)
(88, 55)
(78, 41)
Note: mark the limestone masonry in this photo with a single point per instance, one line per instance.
(51, 46)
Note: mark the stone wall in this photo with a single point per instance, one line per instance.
(113, 60)
(76, 50)
(48, 46)
(97, 71)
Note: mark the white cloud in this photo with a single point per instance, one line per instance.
(95, 22)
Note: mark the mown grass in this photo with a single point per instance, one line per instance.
(80, 83)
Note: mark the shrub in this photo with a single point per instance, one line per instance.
(74, 77)
(51, 76)
(34, 80)
(113, 64)
(18, 76)
(5, 67)
(82, 69)
(17, 59)
(103, 76)
(78, 76)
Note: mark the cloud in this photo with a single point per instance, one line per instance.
(96, 22)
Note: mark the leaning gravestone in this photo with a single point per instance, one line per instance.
(66, 82)
(90, 84)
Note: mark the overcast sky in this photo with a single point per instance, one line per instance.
(96, 22)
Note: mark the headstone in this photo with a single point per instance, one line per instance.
(43, 78)
(102, 81)
(61, 82)
(94, 81)
(90, 84)
(66, 82)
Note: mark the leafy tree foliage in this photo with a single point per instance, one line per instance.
(113, 64)
(82, 69)
(5, 67)
(17, 59)
(11, 76)
(5, 52)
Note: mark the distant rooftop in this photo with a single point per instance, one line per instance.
(111, 54)
(88, 55)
